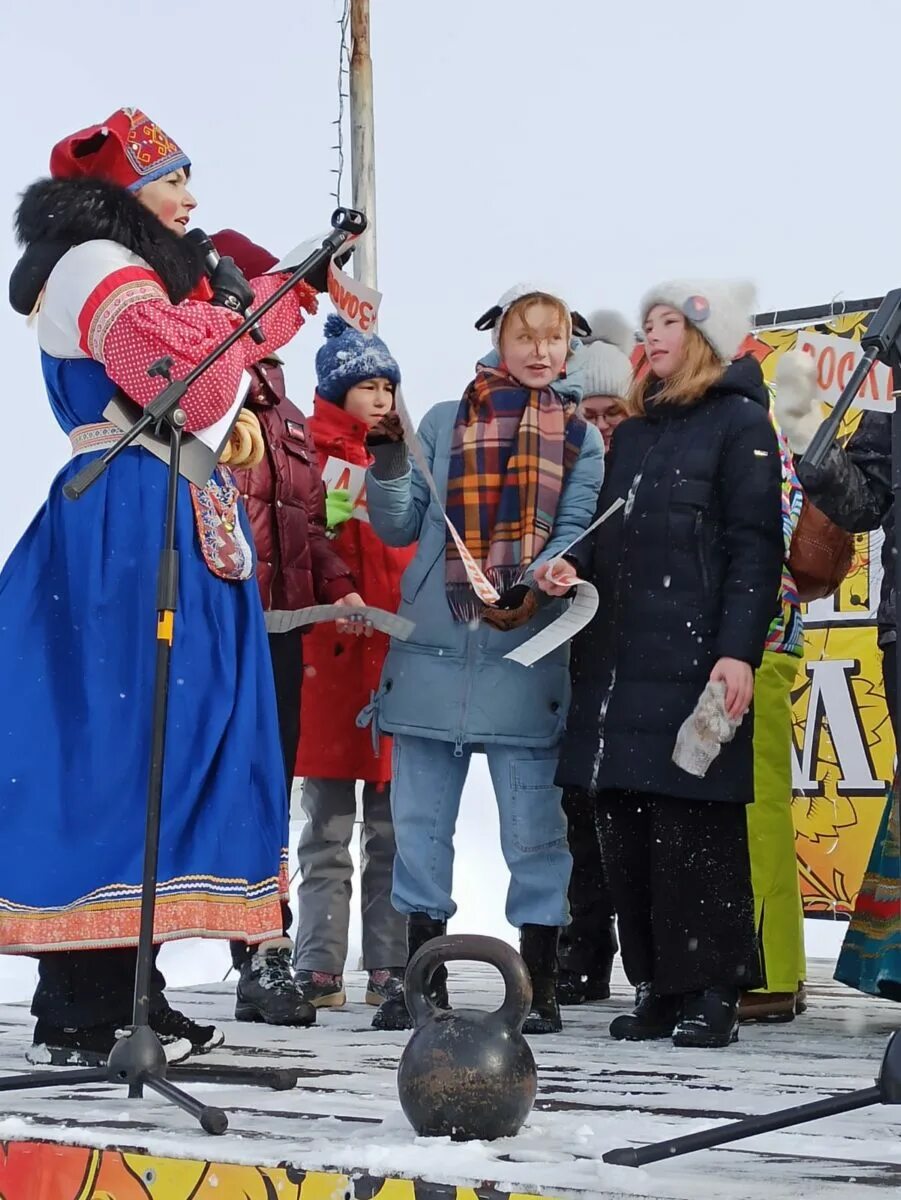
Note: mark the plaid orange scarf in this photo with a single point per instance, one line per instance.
(512, 449)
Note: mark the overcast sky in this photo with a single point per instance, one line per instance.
(598, 146)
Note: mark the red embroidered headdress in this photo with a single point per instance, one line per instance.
(128, 149)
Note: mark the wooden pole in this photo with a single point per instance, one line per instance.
(362, 140)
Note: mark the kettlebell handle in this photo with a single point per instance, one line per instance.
(471, 948)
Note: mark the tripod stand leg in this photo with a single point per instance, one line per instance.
(632, 1156)
(51, 1079)
(280, 1079)
(212, 1120)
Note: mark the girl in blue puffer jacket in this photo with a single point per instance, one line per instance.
(518, 472)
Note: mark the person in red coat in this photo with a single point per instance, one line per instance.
(297, 566)
(356, 377)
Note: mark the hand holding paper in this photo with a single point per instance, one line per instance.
(556, 577)
(357, 623)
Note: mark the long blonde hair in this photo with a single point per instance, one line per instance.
(700, 370)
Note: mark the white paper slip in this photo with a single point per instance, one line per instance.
(340, 475)
(283, 620)
(299, 254)
(216, 435)
(578, 614)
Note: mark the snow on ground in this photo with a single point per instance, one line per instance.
(594, 1094)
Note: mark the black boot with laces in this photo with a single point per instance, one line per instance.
(170, 1023)
(267, 990)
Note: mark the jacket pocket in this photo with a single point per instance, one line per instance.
(297, 448)
(430, 550)
(689, 505)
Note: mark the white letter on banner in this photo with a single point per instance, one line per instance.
(830, 698)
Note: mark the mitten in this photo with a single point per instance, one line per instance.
(797, 405)
(338, 508)
(516, 607)
(705, 732)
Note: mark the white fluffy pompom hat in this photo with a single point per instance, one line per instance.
(601, 365)
(720, 309)
(493, 319)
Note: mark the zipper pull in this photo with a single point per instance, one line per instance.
(458, 746)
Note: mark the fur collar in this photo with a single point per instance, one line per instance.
(57, 214)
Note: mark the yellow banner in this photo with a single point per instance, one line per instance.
(843, 741)
(30, 1170)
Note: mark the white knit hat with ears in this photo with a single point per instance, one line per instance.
(601, 365)
(493, 319)
(720, 309)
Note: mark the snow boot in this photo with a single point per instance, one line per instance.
(266, 988)
(538, 947)
(383, 984)
(392, 1013)
(653, 1017)
(321, 989)
(709, 1019)
(54, 1046)
(169, 1023)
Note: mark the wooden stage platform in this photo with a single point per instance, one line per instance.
(340, 1135)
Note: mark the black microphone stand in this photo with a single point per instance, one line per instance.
(881, 342)
(138, 1058)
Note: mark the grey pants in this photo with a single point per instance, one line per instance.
(326, 875)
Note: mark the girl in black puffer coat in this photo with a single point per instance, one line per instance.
(690, 570)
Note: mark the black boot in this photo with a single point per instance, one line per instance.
(584, 987)
(653, 1017)
(538, 947)
(266, 988)
(709, 1019)
(393, 1014)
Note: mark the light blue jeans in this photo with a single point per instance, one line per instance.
(425, 799)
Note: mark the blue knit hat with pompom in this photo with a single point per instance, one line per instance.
(348, 357)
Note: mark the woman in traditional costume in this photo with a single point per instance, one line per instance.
(116, 286)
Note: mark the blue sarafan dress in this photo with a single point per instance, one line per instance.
(78, 646)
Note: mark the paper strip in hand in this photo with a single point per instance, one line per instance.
(580, 612)
(482, 587)
(567, 625)
(614, 507)
(283, 620)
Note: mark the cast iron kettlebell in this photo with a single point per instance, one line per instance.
(466, 1073)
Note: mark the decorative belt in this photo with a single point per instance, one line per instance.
(85, 438)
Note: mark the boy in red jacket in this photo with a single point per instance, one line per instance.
(356, 380)
(297, 566)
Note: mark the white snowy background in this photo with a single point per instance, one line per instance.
(596, 146)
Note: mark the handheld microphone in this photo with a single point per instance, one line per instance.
(211, 259)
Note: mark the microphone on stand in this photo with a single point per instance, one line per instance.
(211, 259)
